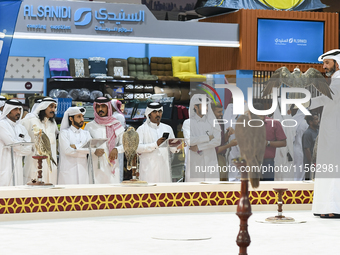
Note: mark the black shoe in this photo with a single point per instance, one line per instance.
(329, 216)
(317, 214)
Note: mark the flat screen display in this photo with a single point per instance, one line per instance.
(291, 41)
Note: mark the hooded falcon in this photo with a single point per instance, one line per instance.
(130, 144)
(297, 79)
(42, 145)
(251, 140)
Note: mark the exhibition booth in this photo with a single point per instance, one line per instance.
(234, 45)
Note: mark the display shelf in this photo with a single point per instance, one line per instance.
(74, 83)
(108, 86)
(104, 84)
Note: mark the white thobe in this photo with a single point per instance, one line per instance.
(154, 161)
(281, 158)
(201, 166)
(9, 134)
(120, 117)
(233, 152)
(103, 172)
(299, 172)
(73, 167)
(31, 165)
(327, 186)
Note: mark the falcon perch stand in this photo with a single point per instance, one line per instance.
(280, 218)
(39, 181)
(135, 173)
(243, 210)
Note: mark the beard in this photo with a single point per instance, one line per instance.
(330, 72)
(51, 115)
(101, 114)
(78, 124)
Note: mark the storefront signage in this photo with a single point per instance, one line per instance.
(63, 20)
(74, 17)
(81, 17)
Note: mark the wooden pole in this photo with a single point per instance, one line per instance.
(243, 212)
(280, 202)
(39, 181)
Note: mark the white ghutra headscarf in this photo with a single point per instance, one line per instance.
(198, 99)
(2, 101)
(332, 54)
(71, 112)
(153, 106)
(41, 106)
(9, 106)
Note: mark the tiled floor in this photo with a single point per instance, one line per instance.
(171, 234)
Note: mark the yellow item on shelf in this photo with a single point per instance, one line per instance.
(185, 69)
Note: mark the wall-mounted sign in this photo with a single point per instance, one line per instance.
(28, 85)
(290, 41)
(81, 17)
(93, 20)
(24, 74)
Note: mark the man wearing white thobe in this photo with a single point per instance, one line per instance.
(284, 155)
(155, 165)
(73, 166)
(31, 113)
(203, 137)
(118, 114)
(233, 152)
(105, 125)
(11, 132)
(300, 128)
(2, 103)
(326, 201)
(44, 118)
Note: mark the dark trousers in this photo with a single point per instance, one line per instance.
(222, 162)
(268, 169)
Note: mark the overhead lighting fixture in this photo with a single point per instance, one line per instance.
(146, 40)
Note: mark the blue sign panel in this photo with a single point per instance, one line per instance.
(289, 41)
(8, 18)
(98, 21)
(82, 18)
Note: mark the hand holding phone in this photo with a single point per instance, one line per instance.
(165, 135)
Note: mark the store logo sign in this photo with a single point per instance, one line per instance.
(284, 41)
(82, 16)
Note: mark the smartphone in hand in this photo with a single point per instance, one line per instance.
(165, 135)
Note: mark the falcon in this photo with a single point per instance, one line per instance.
(252, 143)
(297, 79)
(130, 144)
(42, 145)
